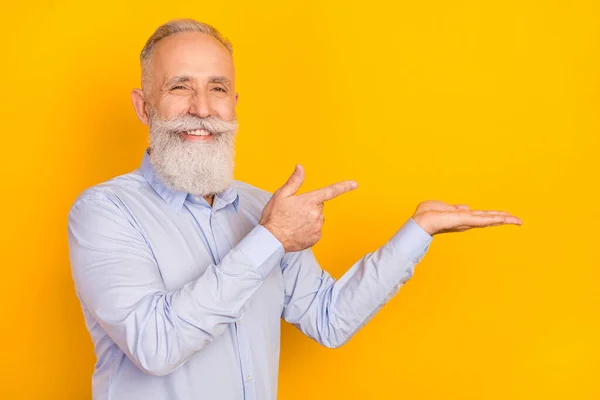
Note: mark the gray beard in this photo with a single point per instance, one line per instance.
(199, 168)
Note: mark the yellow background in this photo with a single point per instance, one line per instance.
(493, 104)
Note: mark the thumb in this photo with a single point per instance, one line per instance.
(293, 183)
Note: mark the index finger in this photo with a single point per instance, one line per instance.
(332, 191)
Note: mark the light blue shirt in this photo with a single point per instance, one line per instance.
(183, 301)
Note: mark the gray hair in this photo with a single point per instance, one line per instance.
(170, 28)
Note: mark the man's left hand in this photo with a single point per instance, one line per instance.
(438, 217)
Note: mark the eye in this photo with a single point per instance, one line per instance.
(178, 87)
(219, 89)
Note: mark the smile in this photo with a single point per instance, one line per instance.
(198, 132)
(198, 135)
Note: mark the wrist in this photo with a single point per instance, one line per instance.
(423, 224)
(274, 231)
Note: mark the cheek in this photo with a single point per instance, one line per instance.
(173, 106)
(225, 108)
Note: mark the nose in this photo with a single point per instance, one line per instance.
(200, 104)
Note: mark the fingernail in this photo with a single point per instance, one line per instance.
(354, 185)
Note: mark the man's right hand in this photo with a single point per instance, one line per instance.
(296, 220)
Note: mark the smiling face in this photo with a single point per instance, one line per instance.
(192, 73)
(189, 104)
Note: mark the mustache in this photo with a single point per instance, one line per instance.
(189, 122)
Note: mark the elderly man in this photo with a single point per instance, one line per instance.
(184, 273)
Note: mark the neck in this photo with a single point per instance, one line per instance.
(209, 199)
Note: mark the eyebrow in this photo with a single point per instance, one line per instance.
(219, 79)
(186, 78)
(178, 79)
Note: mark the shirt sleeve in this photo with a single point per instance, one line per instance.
(331, 311)
(117, 278)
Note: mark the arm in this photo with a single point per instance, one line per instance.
(119, 281)
(331, 312)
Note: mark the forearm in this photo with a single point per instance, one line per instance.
(165, 329)
(340, 308)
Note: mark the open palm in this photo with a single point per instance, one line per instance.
(438, 217)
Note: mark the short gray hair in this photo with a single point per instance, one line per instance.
(170, 28)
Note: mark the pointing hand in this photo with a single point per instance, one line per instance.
(296, 220)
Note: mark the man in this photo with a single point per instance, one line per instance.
(184, 273)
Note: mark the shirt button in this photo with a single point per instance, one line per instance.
(249, 377)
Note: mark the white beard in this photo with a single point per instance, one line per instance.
(200, 168)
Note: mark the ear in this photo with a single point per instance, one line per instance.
(139, 104)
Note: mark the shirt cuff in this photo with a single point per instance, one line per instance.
(412, 241)
(262, 248)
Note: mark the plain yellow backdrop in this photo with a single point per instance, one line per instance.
(493, 104)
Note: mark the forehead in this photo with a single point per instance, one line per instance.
(195, 54)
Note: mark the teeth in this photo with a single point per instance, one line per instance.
(199, 132)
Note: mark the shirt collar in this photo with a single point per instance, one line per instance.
(176, 199)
